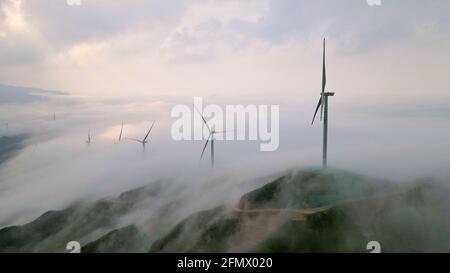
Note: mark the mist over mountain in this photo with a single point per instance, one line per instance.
(301, 211)
(333, 211)
(83, 221)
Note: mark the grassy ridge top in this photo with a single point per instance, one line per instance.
(313, 188)
(403, 218)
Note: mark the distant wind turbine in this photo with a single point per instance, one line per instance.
(120, 135)
(212, 133)
(54, 116)
(89, 138)
(144, 141)
(323, 105)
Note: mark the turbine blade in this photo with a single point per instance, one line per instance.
(317, 109)
(134, 139)
(324, 78)
(324, 72)
(120, 135)
(204, 120)
(145, 138)
(204, 148)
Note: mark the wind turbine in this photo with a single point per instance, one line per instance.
(88, 141)
(323, 105)
(144, 141)
(120, 135)
(212, 133)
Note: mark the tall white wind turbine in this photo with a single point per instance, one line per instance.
(210, 139)
(323, 105)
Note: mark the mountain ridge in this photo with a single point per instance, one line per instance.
(307, 210)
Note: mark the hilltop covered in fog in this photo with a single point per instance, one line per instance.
(300, 211)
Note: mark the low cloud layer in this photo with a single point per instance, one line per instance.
(57, 167)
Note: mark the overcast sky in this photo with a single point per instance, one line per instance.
(396, 51)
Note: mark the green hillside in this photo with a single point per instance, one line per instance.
(411, 217)
(124, 240)
(313, 188)
(301, 211)
(82, 222)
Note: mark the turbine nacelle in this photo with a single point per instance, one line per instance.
(210, 138)
(144, 141)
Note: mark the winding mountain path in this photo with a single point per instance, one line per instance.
(300, 214)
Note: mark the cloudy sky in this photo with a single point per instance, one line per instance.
(396, 51)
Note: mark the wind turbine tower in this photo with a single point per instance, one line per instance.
(323, 105)
(89, 138)
(210, 139)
